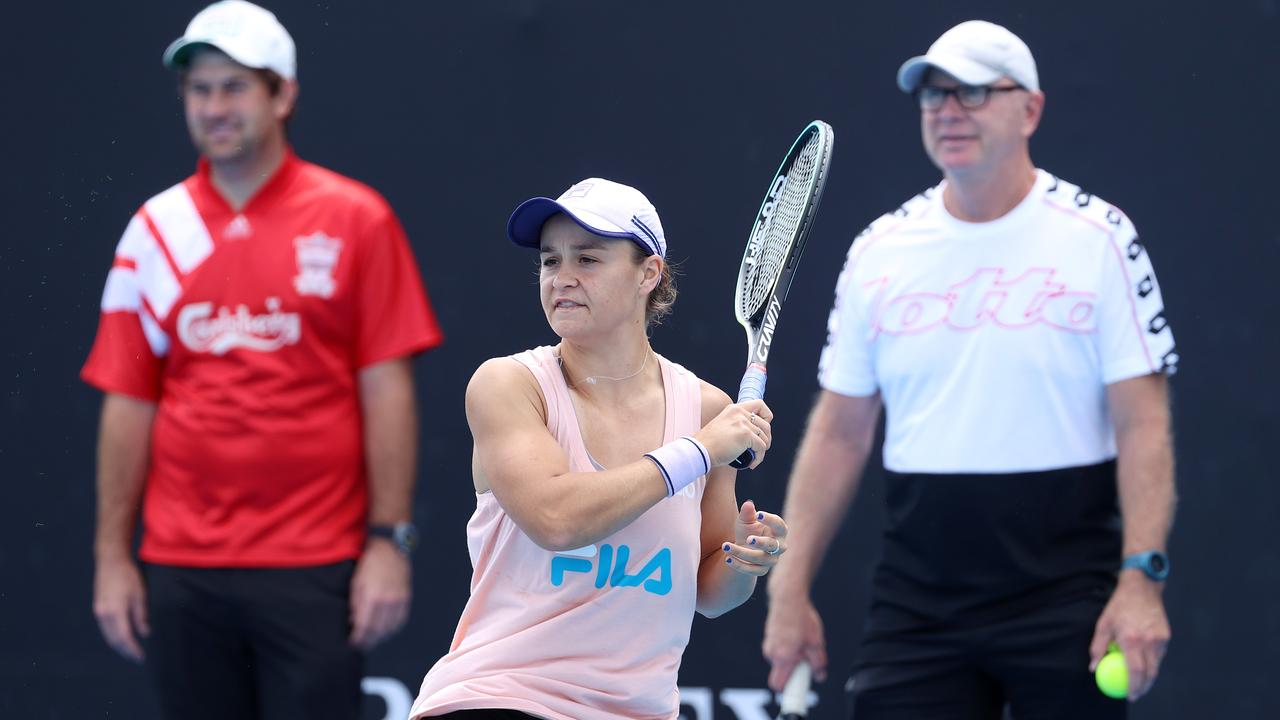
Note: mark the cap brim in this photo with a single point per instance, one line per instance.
(178, 54)
(524, 228)
(175, 56)
(912, 72)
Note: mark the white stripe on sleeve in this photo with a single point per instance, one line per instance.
(181, 228)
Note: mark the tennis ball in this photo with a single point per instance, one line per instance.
(1112, 674)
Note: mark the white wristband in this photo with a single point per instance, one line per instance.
(681, 461)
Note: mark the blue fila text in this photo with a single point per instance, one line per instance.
(610, 566)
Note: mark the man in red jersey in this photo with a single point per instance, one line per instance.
(254, 345)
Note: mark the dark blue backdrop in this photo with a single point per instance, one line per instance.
(457, 111)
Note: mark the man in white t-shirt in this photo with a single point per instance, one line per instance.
(1011, 326)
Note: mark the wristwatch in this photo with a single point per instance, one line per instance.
(404, 535)
(1153, 563)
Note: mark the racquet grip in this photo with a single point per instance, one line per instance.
(753, 380)
(795, 696)
(752, 388)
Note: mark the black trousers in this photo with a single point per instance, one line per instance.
(1035, 665)
(986, 597)
(253, 644)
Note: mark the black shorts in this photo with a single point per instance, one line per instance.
(987, 595)
(262, 644)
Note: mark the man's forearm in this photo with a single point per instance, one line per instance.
(1146, 487)
(124, 444)
(391, 440)
(1144, 464)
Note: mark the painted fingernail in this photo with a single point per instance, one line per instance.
(726, 547)
(753, 541)
(759, 516)
(729, 560)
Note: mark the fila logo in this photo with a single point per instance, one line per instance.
(985, 297)
(610, 566)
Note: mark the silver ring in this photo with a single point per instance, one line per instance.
(776, 549)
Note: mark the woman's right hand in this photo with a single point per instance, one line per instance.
(738, 427)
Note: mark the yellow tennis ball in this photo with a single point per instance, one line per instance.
(1112, 674)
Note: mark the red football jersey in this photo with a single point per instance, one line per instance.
(248, 330)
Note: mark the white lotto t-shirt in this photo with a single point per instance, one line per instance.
(992, 343)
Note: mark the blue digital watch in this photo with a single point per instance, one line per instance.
(1153, 563)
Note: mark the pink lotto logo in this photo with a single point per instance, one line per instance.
(987, 297)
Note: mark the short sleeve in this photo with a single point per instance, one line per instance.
(846, 366)
(393, 314)
(1134, 337)
(129, 349)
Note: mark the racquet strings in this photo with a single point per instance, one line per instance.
(772, 239)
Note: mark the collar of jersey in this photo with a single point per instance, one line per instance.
(264, 196)
(1019, 211)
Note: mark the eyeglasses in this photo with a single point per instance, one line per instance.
(970, 97)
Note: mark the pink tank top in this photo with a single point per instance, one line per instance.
(586, 634)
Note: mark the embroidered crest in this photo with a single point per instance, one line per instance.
(317, 257)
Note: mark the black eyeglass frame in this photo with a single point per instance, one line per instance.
(943, 92)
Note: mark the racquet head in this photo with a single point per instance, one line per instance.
(782, 223)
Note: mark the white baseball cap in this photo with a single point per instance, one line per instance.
(248, 34)
(975, 52)
(602, 207)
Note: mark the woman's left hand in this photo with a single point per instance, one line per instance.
(761, 539)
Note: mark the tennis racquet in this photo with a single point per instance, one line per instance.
(773, 250)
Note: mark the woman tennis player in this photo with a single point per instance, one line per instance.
(605, 507)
